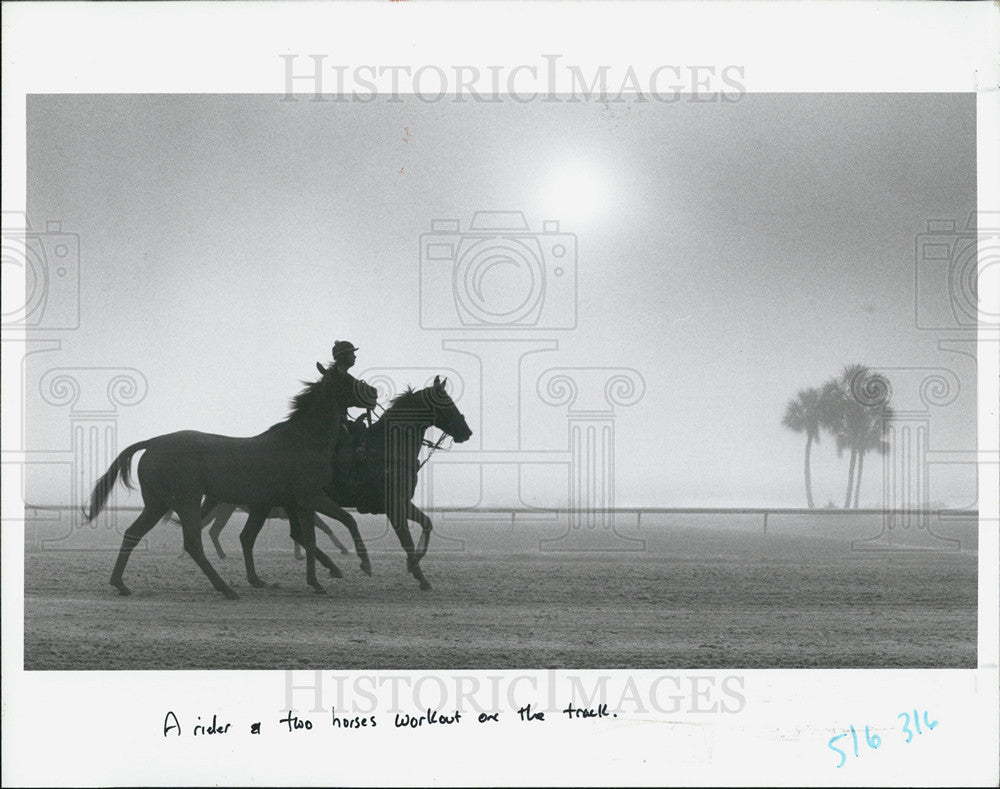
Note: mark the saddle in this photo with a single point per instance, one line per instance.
(363, 478)
(352, 468)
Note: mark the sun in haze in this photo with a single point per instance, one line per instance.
(574, 192)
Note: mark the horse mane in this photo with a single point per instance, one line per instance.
(404, 398)
(304, 401)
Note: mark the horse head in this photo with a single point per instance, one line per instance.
(345, 391)
(445, 414)
(365, 395)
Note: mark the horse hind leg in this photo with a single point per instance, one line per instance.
(191, 524)
(147, 519)
(213, 532)
(222, 514)
(300, 555)
(255, 522)
(211, 513)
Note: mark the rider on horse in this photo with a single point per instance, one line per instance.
(350, 448)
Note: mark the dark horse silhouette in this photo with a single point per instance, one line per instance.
(382, 483)
(288, 464)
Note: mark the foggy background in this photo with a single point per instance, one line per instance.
(730, 253)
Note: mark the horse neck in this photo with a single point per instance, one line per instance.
(318, 422)
(395, 419)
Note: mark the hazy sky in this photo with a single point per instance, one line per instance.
(729, 252)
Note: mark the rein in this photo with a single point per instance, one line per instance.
(434, 445)
(434, 448)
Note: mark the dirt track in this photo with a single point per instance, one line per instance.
(503, 610)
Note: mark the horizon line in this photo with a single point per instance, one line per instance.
(629, 510)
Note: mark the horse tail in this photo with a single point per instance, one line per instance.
(121, 467)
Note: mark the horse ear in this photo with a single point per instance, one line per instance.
(437, 381)
(443, 382)
(321, 368)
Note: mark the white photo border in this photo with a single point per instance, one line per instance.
(99, 728)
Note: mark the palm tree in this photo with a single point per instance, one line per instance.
(805, 414)
(858, 419)
(873, 440)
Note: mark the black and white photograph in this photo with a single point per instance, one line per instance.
(634, 383)
(672, 339)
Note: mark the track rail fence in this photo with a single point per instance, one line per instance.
(898, 526)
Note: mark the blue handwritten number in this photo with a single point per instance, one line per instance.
(832, 747)
(906, 725)
(874, 740)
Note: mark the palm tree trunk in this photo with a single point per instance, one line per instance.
(857, 481)
(850, 479)
(809, 489)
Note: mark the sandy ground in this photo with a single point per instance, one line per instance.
(699, 605)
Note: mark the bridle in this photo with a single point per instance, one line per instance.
(434, 445)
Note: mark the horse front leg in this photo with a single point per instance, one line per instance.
(323, 527)
(415, 514)
(296, 546)
(401, 526)
(308, 519)
(302, 531)
(207, 515)
(189, 513)
(323, 504)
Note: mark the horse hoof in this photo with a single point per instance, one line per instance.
(335, 572)
(344, 552)
(256, 583)
(123, 590)
(366, 569)
(274, 586)
(319, 590)
(425, 585)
